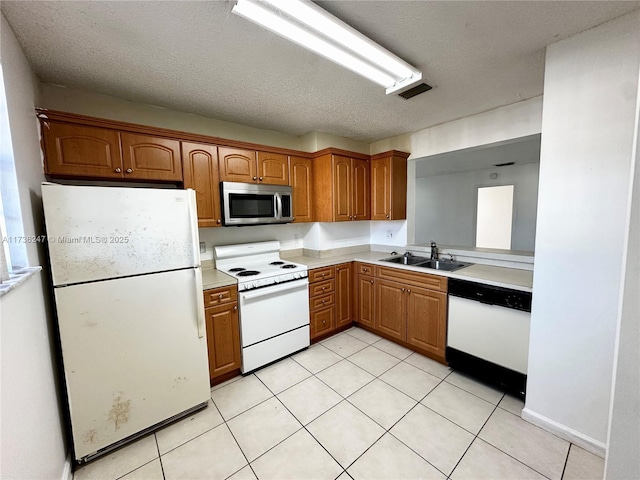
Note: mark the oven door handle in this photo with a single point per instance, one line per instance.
(263, 292)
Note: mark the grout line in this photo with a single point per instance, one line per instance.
(160, 456)
(566, 461)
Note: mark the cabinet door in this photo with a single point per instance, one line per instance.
(390, 309)
(342, 193)
(343, 295)
(322, 321)
(74, 150)
(361, 201)
(300, 176)
(237, 165)
(200, 171)
(273, 168)
(427, 320)
(223, 339)
(381, 189)
(150, 158)
(366, 300)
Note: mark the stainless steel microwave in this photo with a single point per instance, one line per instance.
(254, 204)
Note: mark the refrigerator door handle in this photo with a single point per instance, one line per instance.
(193, 220)
(200, 303)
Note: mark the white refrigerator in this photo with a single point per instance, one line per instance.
(125, 265)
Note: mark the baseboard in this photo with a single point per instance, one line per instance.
(564, 432)
(67, 471)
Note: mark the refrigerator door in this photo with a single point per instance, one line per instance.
(96, 233)
(132, 354)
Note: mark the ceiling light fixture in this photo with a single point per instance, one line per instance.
(311, 27)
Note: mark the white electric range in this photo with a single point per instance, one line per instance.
(273, 301)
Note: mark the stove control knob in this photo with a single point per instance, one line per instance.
(277, 280)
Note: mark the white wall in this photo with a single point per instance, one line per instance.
(498, 125)
(623, 461)
(32, 438)
(591, 85)
(446, 205)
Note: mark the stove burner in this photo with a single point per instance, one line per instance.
(276, 263)
(289, 266)
(237, 269)
(248, 273)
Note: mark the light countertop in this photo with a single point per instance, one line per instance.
(212, 278)
(490, 275)
(487, 274)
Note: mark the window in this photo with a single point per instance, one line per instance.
(13, 254)
(494, 217)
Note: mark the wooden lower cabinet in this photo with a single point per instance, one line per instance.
(365, 301)
(344, 288)
(401, 305)
(427, 320)
(390, 309)
(330, 299)
(322, 321)
(223, 334)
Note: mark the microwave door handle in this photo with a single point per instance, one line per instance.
(278, 202)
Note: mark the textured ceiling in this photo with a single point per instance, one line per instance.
(197, 57)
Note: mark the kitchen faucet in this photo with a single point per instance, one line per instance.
(434, 251)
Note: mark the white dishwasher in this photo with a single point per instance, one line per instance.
(488, 333)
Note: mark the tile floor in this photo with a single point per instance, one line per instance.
(353, 406)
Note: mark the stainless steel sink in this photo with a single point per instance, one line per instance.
(402, 260)
(445, 265)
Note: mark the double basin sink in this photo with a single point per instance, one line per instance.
(417, 261)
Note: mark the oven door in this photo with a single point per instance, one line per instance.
(270, 311)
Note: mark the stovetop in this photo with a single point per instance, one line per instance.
(257, 265)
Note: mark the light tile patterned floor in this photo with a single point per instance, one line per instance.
(353, 406)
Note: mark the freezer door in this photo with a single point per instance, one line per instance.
(132, 354)
(97, 233)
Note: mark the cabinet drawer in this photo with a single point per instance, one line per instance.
(320, 274)
(322, 321)
(433, 282)
(365, 269)
(218, 296)
(324, 301)
(322, 288)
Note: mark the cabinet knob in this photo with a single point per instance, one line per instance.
(371, 282)
(324, 288)
(235, 308)
(365, 269)
(324, 322)
(220, 296)
(129, 170)
(255, 178)
(324, 301)
(387, 215)
(260, 179)
(118, 170)
(218, 221)
(323, 274)
(408, 291)
(355, 216)
(402, 289)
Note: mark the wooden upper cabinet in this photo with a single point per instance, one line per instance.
(341, 187)
(273, 168)
(200, 171)
(300, 171)
(237, 165)
(360, 196)
(389, 186)
(145, 157)
(82, 151)
(342, 195)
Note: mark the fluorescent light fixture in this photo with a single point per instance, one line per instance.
(311, 27)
